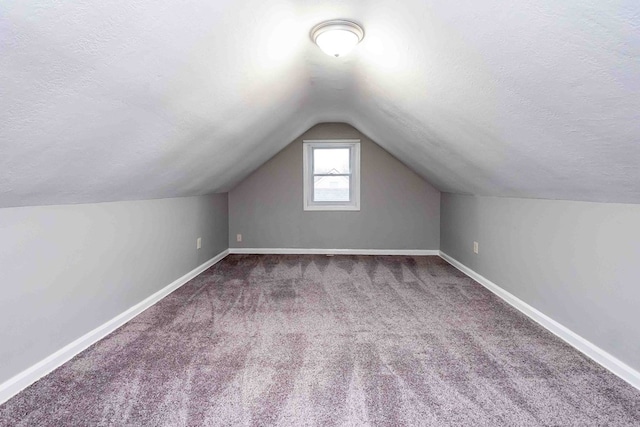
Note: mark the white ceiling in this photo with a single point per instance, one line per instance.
(121, 100)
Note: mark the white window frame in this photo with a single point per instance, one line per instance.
(354, 185)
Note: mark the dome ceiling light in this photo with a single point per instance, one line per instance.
(337, 37)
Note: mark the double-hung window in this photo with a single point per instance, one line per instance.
(331, 175)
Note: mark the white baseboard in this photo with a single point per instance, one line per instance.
(616, 366)
(305, 251)
(14, 385)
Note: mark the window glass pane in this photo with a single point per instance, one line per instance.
(331, 189)
(331, 160)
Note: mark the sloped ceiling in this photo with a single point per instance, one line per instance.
(122, 100)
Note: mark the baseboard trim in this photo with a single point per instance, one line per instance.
(306, 251)
(608, 361)
(19, 382)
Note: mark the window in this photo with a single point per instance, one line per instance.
(332, 175)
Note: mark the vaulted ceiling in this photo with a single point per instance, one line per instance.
(120, 100)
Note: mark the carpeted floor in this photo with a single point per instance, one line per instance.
(316, 340)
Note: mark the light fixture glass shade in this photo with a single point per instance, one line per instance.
(337, 42)
(337, 37)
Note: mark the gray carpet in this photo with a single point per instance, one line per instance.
(315, 340)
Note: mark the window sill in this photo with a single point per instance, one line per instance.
(331, 208)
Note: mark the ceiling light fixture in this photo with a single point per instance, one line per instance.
(337, 37)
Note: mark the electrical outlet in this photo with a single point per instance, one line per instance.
(238, 237)
(475, 247)
(199, 243)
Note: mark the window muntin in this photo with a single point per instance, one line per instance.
(332, 175)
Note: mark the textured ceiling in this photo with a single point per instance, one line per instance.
(131, 99)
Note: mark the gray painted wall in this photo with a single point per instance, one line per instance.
(399, 210)
(577, 262)
(65, 270)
